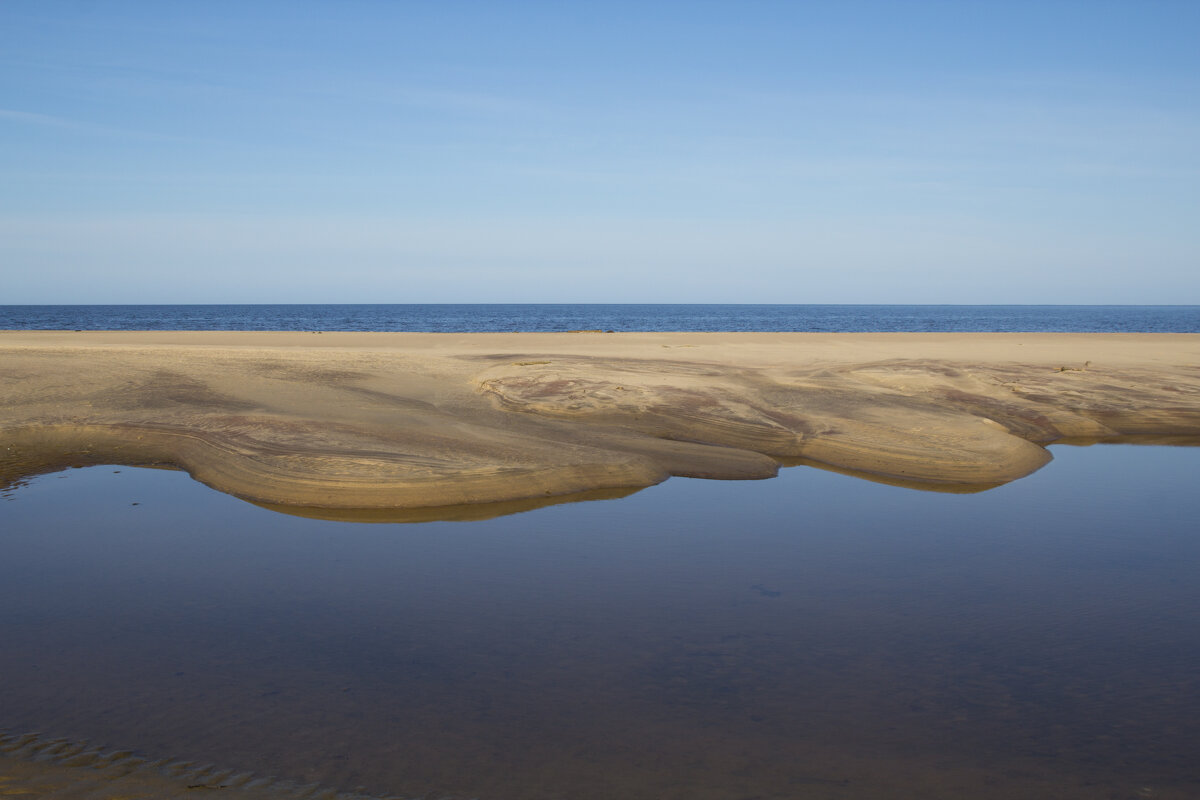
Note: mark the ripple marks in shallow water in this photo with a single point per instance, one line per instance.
(34, 766)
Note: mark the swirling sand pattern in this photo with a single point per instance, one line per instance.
(441, 421)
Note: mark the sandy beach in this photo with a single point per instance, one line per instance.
(330, 423)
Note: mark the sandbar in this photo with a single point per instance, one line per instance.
(328, 423)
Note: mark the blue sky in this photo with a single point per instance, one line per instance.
(906, 152)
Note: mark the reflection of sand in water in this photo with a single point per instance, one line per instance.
(470, 512)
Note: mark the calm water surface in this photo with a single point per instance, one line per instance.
(812, 636)
(452, 317)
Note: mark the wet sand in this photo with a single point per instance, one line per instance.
(409, 421)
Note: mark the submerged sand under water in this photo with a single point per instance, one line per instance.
(39, 767)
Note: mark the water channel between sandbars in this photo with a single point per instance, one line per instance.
(814, 635)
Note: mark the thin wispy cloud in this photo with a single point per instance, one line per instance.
(83, 127)
(43, 120)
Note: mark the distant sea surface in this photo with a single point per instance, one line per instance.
(456, 318)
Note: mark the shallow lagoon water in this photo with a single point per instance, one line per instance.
(814, 635)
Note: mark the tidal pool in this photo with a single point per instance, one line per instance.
(811, 636)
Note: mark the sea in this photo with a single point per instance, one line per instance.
(456, 318)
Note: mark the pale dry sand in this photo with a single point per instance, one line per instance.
(328, 423)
